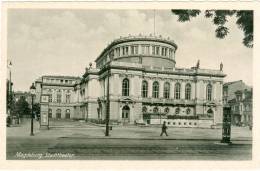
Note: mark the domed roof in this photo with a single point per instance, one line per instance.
(139, 37)
(146, 50)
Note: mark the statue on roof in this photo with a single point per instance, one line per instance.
(221, 66)
(198, 64)
(90, 65)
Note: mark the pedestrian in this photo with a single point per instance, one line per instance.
(164, 127)
(8, 120)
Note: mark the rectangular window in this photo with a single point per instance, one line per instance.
(126, 50)
(170, 53)
(136, 49)
(157, 50)
(162, 51)
(143, 49)
(58, 98)
(147, 50)
(123, 51)
(67, 98)
(50, 97)
(118, 51)
(153, 50)
(111, 54)
(132, 50)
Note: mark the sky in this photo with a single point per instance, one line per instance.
(64, 42)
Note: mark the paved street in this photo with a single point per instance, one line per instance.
(83, 141)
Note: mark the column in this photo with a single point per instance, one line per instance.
(183, 83)
(116, 85)
(221, 92)
(132, 89)
(214, 91)
(150, 87)
(172, 83)
(120, 86)
(161, 88)
(200, 90)
(193, 90)
(111, 81)
(138, 86)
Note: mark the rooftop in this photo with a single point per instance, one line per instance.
(232, 82)
(61, 76)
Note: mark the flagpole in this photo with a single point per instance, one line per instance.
(154, 22)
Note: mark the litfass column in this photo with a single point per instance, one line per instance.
(44, 120)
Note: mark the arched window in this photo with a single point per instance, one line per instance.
(125, 112)
(188, 111)
(50, 113)
(125, 87)
(209, 92)
(144, 109)
(210, 113)
(67, 116)
(166, 110)
(155, 89)
(187, 91)
(177, 110)
(58, 113)
(177, 91)
(166, 90)
(144, 88)
(58, 97)
(155, 110)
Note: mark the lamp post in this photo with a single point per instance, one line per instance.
(108, 105)
(10, 94)
(33, 92)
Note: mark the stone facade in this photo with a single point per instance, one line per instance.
(239, 97)
(144, 87)
(61, 95)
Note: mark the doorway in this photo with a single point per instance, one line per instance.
(125, 114)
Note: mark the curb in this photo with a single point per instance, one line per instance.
(135, 138)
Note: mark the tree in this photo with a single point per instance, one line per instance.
(220, 17)
(36, 109)
(21, 107)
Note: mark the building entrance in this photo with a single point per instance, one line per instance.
(125, 114)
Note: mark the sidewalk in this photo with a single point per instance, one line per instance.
(78, 129)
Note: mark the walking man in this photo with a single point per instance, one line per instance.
(164, 127)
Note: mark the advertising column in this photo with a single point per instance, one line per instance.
(44, 121)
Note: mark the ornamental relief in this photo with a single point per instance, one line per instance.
(126, 75)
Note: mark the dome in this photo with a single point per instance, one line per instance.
(145, 50)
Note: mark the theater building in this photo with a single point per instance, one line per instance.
(144, 87)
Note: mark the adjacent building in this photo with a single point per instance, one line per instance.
(21, 94)
(239, 97)
(62, 95)
(144, 87)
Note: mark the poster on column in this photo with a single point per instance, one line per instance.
(44, 111)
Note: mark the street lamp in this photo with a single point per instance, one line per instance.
(107, 106)
(33, 92)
